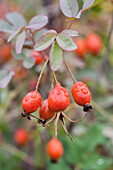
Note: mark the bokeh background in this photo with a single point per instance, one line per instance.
(93, 149)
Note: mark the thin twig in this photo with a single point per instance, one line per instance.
(71, 23)
(74, 121)
(110, 32)
(55, 77)
(45, 126)
(32, 36)
(52, 80)
(71, 74)
(40, 76)
(50, 120)
(65, 129)
(34, 117)
(57, 118)
(97, 107)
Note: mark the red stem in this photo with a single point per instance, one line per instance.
(71, 23)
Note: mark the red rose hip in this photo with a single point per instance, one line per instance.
(94, 43)
(21, 136)
(59, 98)
(81, 50)
(31, 102)
(37, 56)
(44, 112)
(5, 52)
(81, 94)
(55, 149)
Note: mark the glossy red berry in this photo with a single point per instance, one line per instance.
(45, 112)
(82, 49)
(55, 149)
(81, 94)
(31, 102)
(38, 57)
(94, 43)
(59, 98)
(21, 136)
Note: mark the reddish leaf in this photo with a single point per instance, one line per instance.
(16, 19)
(88, 3)
(20, 42)
(20, 56)
(50, 31)
(45, 41)
(29, 62)
(5, 27)
(5, 77)
(69, 7)
(66, 42)
(56, 56)
(96, 3)
(38, 22)
(40, 33)
(14, 34)
(79, 14)
(71, 33)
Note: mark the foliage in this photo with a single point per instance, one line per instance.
(56, 42)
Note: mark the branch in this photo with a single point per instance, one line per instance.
(71, 23)
(40, 76)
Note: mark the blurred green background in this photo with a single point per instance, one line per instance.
(93, 149)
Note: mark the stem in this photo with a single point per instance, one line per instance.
(71, 23)
(52, 80)
(32, 35)
(50, 127)
(71, 74)
(55, 77)
(45, 126)
(74, 121)
(51, 120)
(57, 118)
(110, 33)
(65, 129)
(35, 117)
(40, 76)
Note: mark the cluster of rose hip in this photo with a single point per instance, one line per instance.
(53, 109)
(92, 44)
